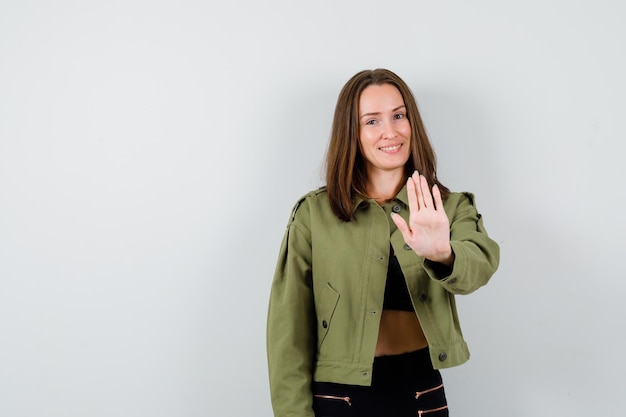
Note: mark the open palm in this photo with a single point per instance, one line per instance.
(428, 230)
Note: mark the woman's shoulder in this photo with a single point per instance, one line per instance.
(459, 200)
(317, 198)
(313, 196)
(457, 196)
(316, 193)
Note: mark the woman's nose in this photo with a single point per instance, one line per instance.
(388, 131)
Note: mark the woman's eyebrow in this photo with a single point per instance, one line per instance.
(376, 113)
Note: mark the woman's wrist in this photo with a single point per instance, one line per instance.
(445, 258)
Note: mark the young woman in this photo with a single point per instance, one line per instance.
(362, 311)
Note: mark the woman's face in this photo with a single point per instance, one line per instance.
(384, 129)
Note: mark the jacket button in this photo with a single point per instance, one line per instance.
(423, 298)
(452, 281)
(443, 356)
(324, 324)
(396, 209)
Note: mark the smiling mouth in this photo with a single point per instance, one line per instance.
(390, 148)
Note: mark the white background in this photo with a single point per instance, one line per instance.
(151, 151)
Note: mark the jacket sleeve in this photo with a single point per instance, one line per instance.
(476, 255)
(291, 323)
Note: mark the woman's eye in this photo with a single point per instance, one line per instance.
(371, 122)
(399, 116)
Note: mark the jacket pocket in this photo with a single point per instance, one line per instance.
(325, 304)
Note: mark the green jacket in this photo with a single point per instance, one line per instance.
(328, 288)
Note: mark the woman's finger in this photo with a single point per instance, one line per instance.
(418, 190)
(411, 190)
(427, 198)
(402, 226)
(437, 198)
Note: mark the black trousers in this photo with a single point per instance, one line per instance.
(402, 386)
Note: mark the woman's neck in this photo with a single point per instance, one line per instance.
(383, 186)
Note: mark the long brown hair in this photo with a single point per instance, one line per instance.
(346, 176)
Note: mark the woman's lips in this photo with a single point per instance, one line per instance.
(391, 149)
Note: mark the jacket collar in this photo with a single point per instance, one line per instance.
(402, 196)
